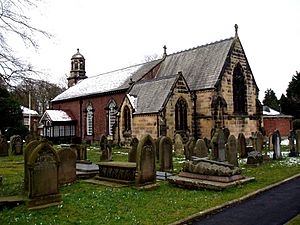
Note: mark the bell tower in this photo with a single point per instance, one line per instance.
(77, 72)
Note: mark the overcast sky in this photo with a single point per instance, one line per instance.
(115, 34)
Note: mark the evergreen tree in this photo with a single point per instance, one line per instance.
(271, 100)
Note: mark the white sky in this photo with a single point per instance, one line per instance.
(117, 33)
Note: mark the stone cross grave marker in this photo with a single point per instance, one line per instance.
(145, 161)
(200, 149)
(276, 140)
(165, 154)
(27, 152)
(241, 146)
(3, 146)
(43, 166)
(231, 151)
(67, 167)
(132, 153)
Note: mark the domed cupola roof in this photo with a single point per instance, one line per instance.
(78, 55)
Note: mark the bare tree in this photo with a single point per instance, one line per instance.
(15, 24)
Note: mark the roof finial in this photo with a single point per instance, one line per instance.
(165, 51)
(77, 50)
(236, 27)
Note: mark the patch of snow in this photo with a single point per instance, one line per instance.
(58, 115)
(270, 112)
(133, 100)
(99, 84)
(27, 111)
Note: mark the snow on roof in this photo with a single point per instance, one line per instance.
(58, 115)
(27, 111)
(269, 111)
(99, 84)
(133, 100)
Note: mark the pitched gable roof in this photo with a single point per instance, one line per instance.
(150, 96)
(107, 82)
(57, 116)
(201, 66)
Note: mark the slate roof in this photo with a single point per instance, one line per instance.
(201, 66)
(106, 82)
(150, 96)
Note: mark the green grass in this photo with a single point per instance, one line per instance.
(84, 203)
(294, 221)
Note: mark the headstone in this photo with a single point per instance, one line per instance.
(178, 146)
(297, 142)
(157, 147)
(200, 149)
(145, 162)
(189, 148)
(3, 146)
(16, 145)
(27, 152)
(67, 167)
(221, 146)
(270, 143)
(165, 154)
(30, 137)
(106, 149)
(291, 139)
(231, 151)
(43, 166)
(241, 146)
(259, 145)
(132, 153)
(226, 132)
(276, 140)
(80, 150)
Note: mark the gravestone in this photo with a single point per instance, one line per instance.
(231, 151)
(241, 146)
(157, 147)
(16, 145)
(165, 154)
(178, 146)
(291, 139)
(221, 146)
(297, 141)
(43, 166)
(276, 140)
(200, 149)
(259, 142)
(27, 152)
(80, 150)
(30, 137)
(106, 149)
(226, 132)
(67, 167)
(189, 148)
(132, 153)
(3, 146)
(145, 161)
(270, 143)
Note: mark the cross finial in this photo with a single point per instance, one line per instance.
(236, 27)
(165, 51)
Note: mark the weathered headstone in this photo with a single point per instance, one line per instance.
(221, 146)
(27, 152)
(165, 154)
(3, 146)
(200, 149)
(241, 146)
(259, 142)
(16, 145)
(67, 167)
(132, 153)
(80, 150)
(189, 148)
(270, 143)
(30, 137)
(43, 166)
(231, 151)
(106, 149)
(145, 162)
(276, 140)
(226, 132)
(297, 142)
(178, 146)
(291, 139)
(157, 147)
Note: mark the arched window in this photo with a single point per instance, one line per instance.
(112, 112)
(181, 114)
(89, 120)
(127, 120)
(239, 90)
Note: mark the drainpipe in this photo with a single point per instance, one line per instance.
(80, 116)
(194, 98)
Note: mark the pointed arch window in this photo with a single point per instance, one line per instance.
(127, 119)
(89, 120)
(112, 112)
(181, 115)
(239, 90)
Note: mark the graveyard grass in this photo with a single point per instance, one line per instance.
(84, 203)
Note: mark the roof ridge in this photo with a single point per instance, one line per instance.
(201, 46)
(128, 67)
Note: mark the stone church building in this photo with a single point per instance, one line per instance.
(190, 92)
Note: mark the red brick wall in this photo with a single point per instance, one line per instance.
(284, 125)
(100, 114)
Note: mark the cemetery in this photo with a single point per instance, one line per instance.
(105, 184)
